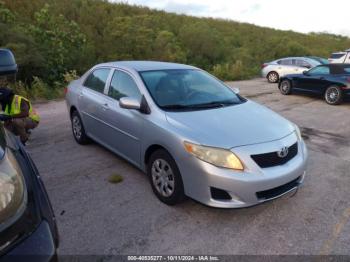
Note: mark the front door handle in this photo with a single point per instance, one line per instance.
(322, 78)
(105, 107)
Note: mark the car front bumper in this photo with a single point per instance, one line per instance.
(38, 246)
(245, 187)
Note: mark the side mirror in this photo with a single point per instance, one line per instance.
(129, 103)
(306, 73)
(236, 90)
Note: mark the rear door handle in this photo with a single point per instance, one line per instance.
(81, 95)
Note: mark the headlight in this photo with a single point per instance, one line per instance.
(12, 188)
(216, 156)
(297, 132)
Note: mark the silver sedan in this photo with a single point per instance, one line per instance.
(189, 132)
(274, 70)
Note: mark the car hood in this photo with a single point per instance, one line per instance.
(227, 127)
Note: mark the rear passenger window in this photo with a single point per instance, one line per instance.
(303, 63)
(97, 79)
(123, 85)
(286, 62)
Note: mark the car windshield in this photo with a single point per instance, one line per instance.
(188, 89)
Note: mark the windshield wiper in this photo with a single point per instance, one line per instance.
(213, 104)
(175, 106)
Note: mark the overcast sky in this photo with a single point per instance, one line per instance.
(298, 15)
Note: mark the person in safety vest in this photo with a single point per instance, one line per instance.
(18, 114)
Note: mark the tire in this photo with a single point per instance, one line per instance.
(273, 77)
(78, 129)
(165, 178)
(285, 87)
(333, 95)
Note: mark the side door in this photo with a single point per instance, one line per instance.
(315, 80)
(302, 66)
(91, 100)
(285, 67)
(124, 126)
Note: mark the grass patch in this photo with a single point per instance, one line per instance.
(115, 179)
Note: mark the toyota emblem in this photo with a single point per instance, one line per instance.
(283, 152)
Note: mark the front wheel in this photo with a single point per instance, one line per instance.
(333, 95)
(165, 178)
(286, 87)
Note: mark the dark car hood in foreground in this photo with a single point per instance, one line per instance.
(232, 126)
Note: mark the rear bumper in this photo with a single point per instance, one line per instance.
(39, 245)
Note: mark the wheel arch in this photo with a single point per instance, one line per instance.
(71, 110)
(272, 71)
(340, 85)
(283, 78)
(150, 150)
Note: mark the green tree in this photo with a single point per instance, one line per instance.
(167, 48)
(60, 42)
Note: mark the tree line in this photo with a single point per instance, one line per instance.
(53, 39)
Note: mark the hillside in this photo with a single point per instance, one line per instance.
(51, 37)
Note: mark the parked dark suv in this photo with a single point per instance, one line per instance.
(27, 221)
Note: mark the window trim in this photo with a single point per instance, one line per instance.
(114, 70)
(107, 80)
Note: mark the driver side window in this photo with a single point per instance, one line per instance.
(320, 70)
(122, 85)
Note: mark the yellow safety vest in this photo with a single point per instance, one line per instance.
(16, 108)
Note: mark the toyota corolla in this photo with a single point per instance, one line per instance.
(189, 132)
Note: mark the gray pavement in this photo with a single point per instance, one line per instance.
(97, 217)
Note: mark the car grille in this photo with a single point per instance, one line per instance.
(277, 191)
(272, 159)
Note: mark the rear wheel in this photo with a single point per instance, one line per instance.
(78, 129)
(273, 77)
(286, 87)
(165, 178)
(333, 95)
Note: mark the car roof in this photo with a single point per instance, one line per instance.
(337, 65)
(337, 68)
(147, 65)
(297, 57)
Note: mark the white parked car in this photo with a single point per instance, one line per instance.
(340, 57)
(285, 66)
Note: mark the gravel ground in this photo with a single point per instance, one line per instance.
(97, 217)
